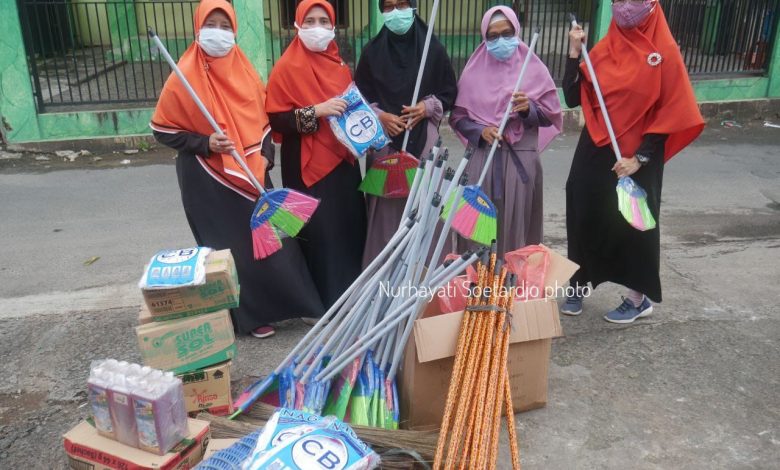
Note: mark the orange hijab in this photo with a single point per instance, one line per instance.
(233, 93)
(641, 98)
(304, 78)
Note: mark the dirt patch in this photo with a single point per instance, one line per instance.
(44, 162)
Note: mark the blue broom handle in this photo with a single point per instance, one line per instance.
(426, 47)
(600, 97)
(505, 119)
(202, 107)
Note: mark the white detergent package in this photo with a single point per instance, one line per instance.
(176, 268)
(358, 129)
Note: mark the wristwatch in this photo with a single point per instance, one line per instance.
(643, 160)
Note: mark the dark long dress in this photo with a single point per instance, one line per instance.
(600, 240)
(332, 242)
(273, 289)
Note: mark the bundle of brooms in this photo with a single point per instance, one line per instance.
(479, 387)
(399, 449)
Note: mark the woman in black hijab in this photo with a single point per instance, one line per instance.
(386, 75)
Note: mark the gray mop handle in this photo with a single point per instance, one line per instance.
(600, 97)
(505, 118)
(399, 235)
(335, 326)
(238, 158)
(421, 71)
(348, 325)
(390, 321)
(416, 182)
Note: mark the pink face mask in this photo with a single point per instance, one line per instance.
(630, 14)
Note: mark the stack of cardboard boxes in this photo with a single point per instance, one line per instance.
(188, 330)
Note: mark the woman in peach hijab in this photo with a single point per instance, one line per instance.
(217, 196)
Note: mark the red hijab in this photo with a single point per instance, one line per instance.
(304, 78)
(641, 98)
(233, 93)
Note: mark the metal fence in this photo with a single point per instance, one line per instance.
(95, 54)
(457, 26)
(724, 37)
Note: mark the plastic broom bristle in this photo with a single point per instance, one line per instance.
(397, 183)
(410, 176)
(300, 205)
(485, 229)
(465, 220)
(374, 182)
(265, 241)
(287, 222)
(632, 203)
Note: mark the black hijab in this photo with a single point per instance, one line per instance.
(387, 72)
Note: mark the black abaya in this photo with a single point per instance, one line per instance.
(332, 242)
(276, 288)
(600, 240)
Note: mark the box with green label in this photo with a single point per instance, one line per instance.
(219, 292)
(189, 343)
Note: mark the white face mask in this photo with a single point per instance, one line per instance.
(216, 42)
(316, 39)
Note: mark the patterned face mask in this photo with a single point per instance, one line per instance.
(630, 14)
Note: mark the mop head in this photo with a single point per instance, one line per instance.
(279, 213)
(390, 176)
(632, 202)
(476, 216)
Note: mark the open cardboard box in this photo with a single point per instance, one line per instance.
(88, 449)
(429, 355)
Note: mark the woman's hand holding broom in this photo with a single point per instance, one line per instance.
(220, 143)
(576, 37)
(520, 102)
(626, 167)
(490, 133)
(413, 114)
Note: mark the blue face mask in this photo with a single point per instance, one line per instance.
(399, 21)
(503, 48)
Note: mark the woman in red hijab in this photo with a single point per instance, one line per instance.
(653, 110)
(217, 196)
(301, 93)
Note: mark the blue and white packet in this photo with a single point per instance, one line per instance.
(176, 268)
(358, 129)
(298, 440)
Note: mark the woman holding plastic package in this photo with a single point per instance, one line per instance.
(653, 110)
(217, 196)
(386, 75)
(514, 181)
(301, 95)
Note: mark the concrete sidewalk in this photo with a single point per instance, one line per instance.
(693, 386)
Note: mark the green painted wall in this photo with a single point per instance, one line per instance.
(22, 123)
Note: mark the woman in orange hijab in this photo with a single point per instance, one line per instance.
(652, 107)
(301, 93)
(217, 196)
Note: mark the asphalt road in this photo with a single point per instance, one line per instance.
(693, 386)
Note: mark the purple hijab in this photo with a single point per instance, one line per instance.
(486, 86)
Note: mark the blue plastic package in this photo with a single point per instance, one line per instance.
(358, 129)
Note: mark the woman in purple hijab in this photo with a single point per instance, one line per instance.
(514, 183)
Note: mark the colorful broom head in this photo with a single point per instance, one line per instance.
(390, 176)
(279, 213)
(475, 217)
(632, 202)
(341, 391)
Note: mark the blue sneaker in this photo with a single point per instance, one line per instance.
(627, 312)
(572, 306)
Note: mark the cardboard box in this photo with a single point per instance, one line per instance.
(219, 292)
(87, 449)
(189, 343)
(425, 378)
(208, 390)
(215, 445)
